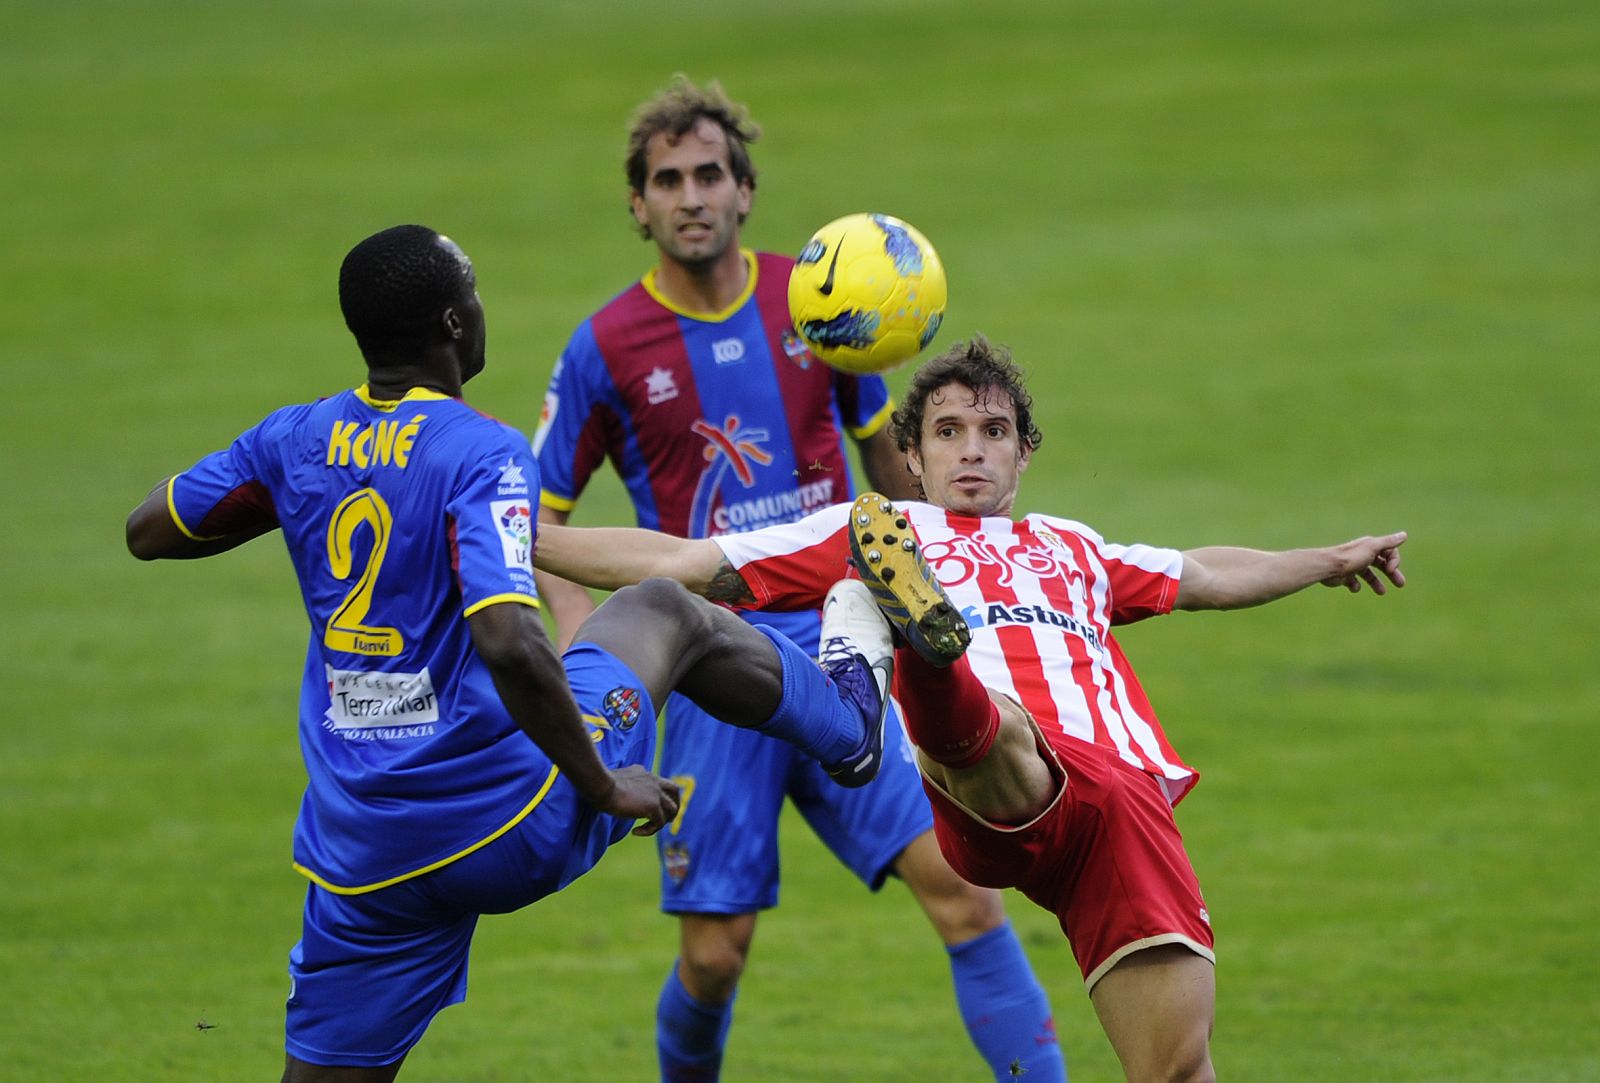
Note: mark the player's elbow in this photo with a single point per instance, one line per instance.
(143, 537)
(1197, 589)
(1209, 582)
(508, 659)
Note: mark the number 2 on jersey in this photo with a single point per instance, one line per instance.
(346, 632)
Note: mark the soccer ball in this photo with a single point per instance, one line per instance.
(867, 293)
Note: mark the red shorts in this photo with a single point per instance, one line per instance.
(1106, 858)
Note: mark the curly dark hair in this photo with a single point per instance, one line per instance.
(985, 369)
(394, 285)
(678, 109)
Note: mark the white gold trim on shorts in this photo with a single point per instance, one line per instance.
(1139, 945)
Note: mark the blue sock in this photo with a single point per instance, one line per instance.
(812, 715)
(690, 1034)
(1005, 1009)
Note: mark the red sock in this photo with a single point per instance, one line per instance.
(947, 710)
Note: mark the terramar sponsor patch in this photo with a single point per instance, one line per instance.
(362, 701)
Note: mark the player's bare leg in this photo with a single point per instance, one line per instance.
(1158, 1006)
(678, 642)
(1004, 1008)
(957, 910)
(695, 1007)
(713, 949)
(1012, 782)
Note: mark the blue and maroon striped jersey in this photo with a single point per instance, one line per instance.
(717, 423)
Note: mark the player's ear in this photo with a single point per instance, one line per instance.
(1024, 457)
(914, 461)
(636, 203)
(450, 320)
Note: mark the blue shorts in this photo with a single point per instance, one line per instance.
(372, 970)
(720, 856)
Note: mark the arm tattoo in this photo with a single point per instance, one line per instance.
(728, 586)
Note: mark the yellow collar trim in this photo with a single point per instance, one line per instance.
(416, 394)
(649, 283)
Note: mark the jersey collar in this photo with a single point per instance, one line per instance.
(416, 394)
(649, 284)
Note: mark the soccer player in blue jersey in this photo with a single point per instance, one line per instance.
(693, 383)
(407, 515)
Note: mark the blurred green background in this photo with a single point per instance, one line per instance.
(1282, 275)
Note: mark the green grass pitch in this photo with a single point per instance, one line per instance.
(1282, 274)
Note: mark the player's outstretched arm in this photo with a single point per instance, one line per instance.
(609, 558)
(153, 534)
(532, 684)
(1223, 577)
(568, 603)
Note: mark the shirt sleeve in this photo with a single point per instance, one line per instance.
(791, 566)
(864, 403)
(1144, 580)
(225, 492)
(492, 523)
(571, 439)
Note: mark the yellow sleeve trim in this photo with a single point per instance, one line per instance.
(497, 599)
(554, 502)
(340, 889)
(874, 423)
(172, 510)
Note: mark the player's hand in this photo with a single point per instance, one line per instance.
(1369, 561)
(637, 794)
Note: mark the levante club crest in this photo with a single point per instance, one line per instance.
(676, 859)
(622, 707)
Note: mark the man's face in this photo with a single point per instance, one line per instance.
(467, 319)
(970, 459)
(476, 335)
(691, 204)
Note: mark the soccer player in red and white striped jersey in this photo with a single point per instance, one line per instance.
(693, 384)
(1044, 761)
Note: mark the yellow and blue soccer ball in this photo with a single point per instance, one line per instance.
(867, 293)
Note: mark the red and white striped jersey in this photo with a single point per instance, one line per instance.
(1041, 596)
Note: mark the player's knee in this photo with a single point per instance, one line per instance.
(1179, 1052)
(661, 603)
(1013, 719)
(657, 594)
(1188, 1061)
(971, 911)
(959, 910)
(711, 972)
